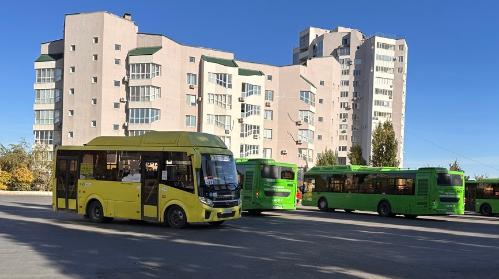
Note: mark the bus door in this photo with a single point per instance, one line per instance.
(470, 196)
(149, 188)
(423, 190)
(249, 190)
(67, 178)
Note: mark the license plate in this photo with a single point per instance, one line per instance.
(276, 207)
(227, 210)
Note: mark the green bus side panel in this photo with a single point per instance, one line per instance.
(494, 204)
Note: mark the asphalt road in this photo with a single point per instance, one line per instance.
(38, 243)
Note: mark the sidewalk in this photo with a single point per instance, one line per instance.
(25, 193)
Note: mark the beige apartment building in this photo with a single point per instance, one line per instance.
(106, 78)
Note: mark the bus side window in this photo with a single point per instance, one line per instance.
(240, 176)
(496, 191)
(178, 168)
(309, 183)
(87, 166)
(129, 167)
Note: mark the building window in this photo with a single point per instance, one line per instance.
(117, 47)
(72, 69)
(321, 119)
(382, 103)
(116, 105)
(117, 83)
(95, 57)
(249, 110)
(385, 46)
(345, 83)
(344, 94)
(47, 96)
(268, 115)
(192, 59)
(143, 115)
(45, 117)
(94, 79)
(117, 61)
(385, 92)
(342, 148)
(387, 70)
(401, 47)
(250, 89)
(267, 133)
(192, 79)
(321, 101)
(249, 130)
(269, 77)
(93, 123)
(226, 140)
(400, 70)
(319, 137)
(386, 58)
(96, 40)
(222, 79)
(221, 121)
(306, 116)
(356, 73)
(70, 134)
(269, 95)
(248, 149)
(306, 154)
(44, 137)
(345, 72)
(145, 93)
(321, 82)
(267, 153)
(73, 47)
(71, 91)
(306, 135)
(343, 137)
(344, 105)
(144, 70)
(357, 61)
(191, 100)
(116, 127)
(190, 121)
(221, 100)
(46, 75)
(132, 133)
(71, 112)
(307, 97)
(343, 127)
(94, 101)
(344, 115)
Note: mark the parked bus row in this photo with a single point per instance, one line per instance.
(186, 177)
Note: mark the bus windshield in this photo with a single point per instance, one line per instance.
(276, 172)
(218, 169)
(445, 179)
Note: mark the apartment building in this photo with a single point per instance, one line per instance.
(372, 84)
(106, 78)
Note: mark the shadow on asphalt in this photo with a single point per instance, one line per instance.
(316, 245)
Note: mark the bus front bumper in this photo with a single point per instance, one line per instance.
(211, 214)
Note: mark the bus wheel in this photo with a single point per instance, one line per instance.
(95, 212)
(486, 210)
(322, 204)
(410, 216)
(384, 209)
(216, 223)
(176, 218)
(349, 210)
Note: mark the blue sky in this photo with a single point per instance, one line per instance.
(452, 87)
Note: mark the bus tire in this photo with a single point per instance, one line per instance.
(322, 204)
(385, 209)
(175, 217)
(486, 209)
(349, 210)
(95, 212)
(410, 216)
(216, 223)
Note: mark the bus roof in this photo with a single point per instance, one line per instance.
(264, 162)
(357, 168)
(488, 180)
(158, 139)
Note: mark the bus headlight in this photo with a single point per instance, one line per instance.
(206, 201)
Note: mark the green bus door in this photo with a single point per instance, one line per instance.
(67, 178)
(149, 188)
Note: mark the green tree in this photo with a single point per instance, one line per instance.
(21, 180)
(327, 158)
(454, 166)
(355, 155)
(481, 176)
(15, 156)
(4, 180)
(384, 146)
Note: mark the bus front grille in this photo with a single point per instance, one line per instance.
(226, 215)
(276, 194)
(449, 199)
(225, 204)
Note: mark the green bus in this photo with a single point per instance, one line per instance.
(483, 195)
(389, 191)
(266, 185)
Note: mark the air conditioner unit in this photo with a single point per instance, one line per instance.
(200, 99)
(125, 124)
(191, 86)
(122, 100)
(126, 79)
(343, 131)
(298, 142)
(227, 132)
(344, 120)
(256, 136)
(284, 152)
(267, 104)
(240, 120)
(390, 97)
(241, 99)
(355, 99)
(298, 123)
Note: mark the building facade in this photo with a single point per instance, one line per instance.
(104, 78)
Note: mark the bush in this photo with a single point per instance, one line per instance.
(21, 179)
(4, 180)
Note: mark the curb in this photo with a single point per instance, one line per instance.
(26, 193)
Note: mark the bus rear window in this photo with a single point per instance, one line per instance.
(276, 172)
(445, 179)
